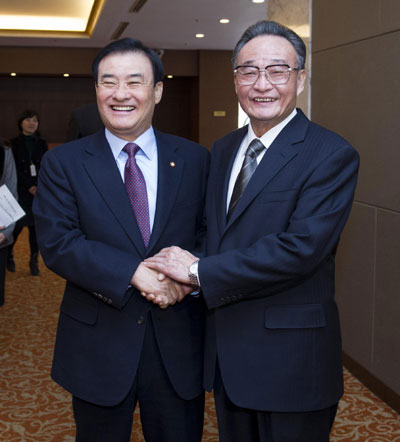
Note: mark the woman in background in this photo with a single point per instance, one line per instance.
(8, 176)
(28, 149)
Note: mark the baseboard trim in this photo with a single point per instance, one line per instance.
(372, 382)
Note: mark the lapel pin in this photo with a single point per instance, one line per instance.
(172, 164)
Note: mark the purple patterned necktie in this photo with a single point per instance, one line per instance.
(136, 188)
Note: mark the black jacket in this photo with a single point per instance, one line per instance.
(23, 162)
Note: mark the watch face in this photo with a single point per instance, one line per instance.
(193, 268)
(193, 272)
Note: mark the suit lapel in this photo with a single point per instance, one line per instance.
(281, 151)
(103, 171)
(225, 164)
(170, 170)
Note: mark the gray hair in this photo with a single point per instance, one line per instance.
(268, 27)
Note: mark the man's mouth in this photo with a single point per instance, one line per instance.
(264, 100)
(123, 108)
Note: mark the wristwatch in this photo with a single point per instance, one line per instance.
(193, 273)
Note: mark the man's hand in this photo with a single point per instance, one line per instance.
(156, 287)
(173, 262)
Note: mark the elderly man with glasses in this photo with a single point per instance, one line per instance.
(279, 194)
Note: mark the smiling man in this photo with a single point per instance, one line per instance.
(280, 192)
(104, 203)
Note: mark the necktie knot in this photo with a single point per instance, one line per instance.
(255, 147)
(131, 149)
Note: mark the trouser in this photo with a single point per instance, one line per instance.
(165, 416)
(237, 424)
(33, 245)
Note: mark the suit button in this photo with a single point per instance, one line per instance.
(140, 320)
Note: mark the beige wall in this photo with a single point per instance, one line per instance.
(216, 94)
(355, 92)
(296, 15)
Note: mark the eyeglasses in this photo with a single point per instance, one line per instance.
(275, 73)
(114, 85)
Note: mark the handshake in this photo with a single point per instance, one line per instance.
(164, 278)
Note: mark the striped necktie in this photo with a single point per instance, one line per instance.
(248, 167)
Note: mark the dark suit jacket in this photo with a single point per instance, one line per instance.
(87, 233)
(269, 278)
(25, 180)
(84, 121)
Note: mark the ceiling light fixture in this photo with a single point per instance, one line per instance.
(170, 76)
(224, 20)
(34, 23)
(51, 20)
(65, 75)
(258, 1)
(199, 35)
(13, 74)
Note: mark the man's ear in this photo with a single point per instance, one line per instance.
(301, 79)
(158, 90)
(235, 83)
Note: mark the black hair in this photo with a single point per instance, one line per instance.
(268, 27)
(27, 113)
(126, 45)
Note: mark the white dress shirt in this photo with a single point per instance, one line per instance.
(146, 159)
(267, 139)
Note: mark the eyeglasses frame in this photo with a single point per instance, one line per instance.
(289, 69)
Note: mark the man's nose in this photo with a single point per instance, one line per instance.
(121, 93)
(262, 81)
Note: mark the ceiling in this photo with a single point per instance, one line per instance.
(161, 24)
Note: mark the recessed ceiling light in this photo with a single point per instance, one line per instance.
(199, 35)
(13, 74)
(258, 1)
(66, 75)
(170, 76)
(224, 20)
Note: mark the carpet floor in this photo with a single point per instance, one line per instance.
(34, 409)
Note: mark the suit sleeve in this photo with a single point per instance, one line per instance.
(97, 267)
(280, 260)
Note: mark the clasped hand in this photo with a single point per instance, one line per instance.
(163, 279)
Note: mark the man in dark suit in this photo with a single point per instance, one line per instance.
(280, 191)
(85, 120)
(113, 347)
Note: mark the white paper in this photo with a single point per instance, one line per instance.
(10, 210)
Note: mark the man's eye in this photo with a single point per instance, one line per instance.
(278, 71)
(249, 72)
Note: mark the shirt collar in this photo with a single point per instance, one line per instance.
(269, 136)
(146, 141)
